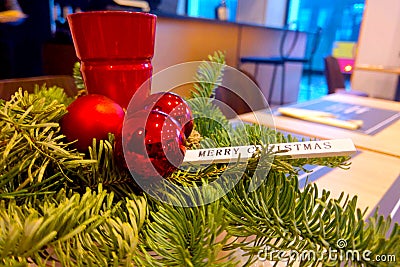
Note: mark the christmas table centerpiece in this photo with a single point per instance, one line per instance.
(75, 203)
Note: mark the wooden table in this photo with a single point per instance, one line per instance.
(385, 142)
(378, 68)
(370, 176)
(383, 69)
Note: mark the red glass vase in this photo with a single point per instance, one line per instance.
(115, 49)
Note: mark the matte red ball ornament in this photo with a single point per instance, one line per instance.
(91, 116)
(173, 105)
(153, 144)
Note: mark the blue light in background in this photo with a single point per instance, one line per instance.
(206, 8)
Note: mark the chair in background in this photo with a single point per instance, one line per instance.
(245, 98)
(53, 53)
(286, 47)
(335, 78)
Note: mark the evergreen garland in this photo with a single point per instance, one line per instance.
(59, 206)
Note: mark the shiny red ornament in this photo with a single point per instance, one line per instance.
(173, 105)
(153, 144)
(91, 116)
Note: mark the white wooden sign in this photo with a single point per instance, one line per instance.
(308, 149)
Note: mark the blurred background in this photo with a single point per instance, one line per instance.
(24, 46)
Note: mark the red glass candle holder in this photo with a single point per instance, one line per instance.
(115, 49)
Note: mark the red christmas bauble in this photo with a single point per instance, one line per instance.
(91, 116)
(173, 105)
(153, 144)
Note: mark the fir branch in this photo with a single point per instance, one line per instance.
(87, 230)
(209, 76)
(188, 236)
(53, 93)
(76, 73)
(279, 216)
(208, 118)
(34, 158)
(105, 170)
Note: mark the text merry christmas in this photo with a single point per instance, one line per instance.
(308, 149)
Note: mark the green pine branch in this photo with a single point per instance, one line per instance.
(279, 216)
(104, 170)
(208, 118)
(76, 73)
(188, 236)
(53, 93)
(34, 159)
(209, 76)
(77, 230)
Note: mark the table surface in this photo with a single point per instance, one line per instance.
(385, 141)
(370, 176)
(378, 68)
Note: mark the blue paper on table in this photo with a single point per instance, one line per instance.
(389, 205)
(375, 119)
